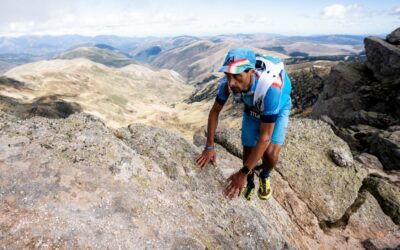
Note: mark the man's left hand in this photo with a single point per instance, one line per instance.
(236, 183)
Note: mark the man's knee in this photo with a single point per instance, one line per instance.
(271, 155)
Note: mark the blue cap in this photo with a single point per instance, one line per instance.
(238, 60)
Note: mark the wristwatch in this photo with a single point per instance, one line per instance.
(246, 170)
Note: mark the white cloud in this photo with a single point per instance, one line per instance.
(178, 17)
(340, 10)
(395, 12)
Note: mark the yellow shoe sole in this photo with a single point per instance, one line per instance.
(264, 197)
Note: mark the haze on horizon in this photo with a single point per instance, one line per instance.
(177, 17)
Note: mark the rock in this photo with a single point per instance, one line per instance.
(370, 223)
(363, 93)
(307, 84)
(328, 120)
(337, 99)
(305, 162)
(383, 58)
(74, 183)
(369, 161)
(394, 37)
(337, 187)
(369, 245)
(342, 157)
(357, 136)
(386, 145)
(375, 168)
(387, 194)
(199, 139)
(231, 140)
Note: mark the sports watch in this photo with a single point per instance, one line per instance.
(246, 170)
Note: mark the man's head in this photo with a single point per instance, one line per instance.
(239, 67)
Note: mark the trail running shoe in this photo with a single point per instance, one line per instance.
(248, 192)
(265, 190)
(258, 169)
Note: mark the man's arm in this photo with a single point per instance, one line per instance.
(213, 122)
(209, 154)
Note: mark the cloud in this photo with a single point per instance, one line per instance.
(395, 12)
(339, 10)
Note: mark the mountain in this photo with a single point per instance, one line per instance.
(323, 45)
(117, 95)
(146, 51)
(52, 45)
(199, 59)
(5, 66)
(103, 54)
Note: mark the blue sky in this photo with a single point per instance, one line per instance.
(178, 17)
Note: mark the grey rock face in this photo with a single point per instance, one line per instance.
(338, 99)
(370, 161)
(386, 145)
(307, 84)
(394, 37)
(73, 183)
(383, 58)
(387, 194)
(363, 102)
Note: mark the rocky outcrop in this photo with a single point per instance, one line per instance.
(362, 101)
(350, 98)
(394, 37)
(386, 145)
(74, 183)
(307, 83)
(383, 58)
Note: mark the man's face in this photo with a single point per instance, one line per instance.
(240, 82)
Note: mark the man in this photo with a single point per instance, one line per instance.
(265, 91)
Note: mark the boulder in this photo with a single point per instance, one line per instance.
(339, 99)
(394, 37)
(369, 223)
(383, 58)
(305, 163)
(369, 161)
(386, 145)
(387, 194)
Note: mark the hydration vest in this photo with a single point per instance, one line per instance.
(270, 72)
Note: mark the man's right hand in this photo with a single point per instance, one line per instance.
(205, 158)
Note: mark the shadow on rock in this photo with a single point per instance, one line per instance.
(52, 106)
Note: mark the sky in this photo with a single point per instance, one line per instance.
(184, 17)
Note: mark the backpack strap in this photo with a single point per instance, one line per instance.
(270, 74)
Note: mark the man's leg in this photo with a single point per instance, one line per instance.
(270, 157)
(250, 187)
(271, 154)
(246, 154)
(250, 129)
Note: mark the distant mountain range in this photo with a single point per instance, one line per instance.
(39, 45)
